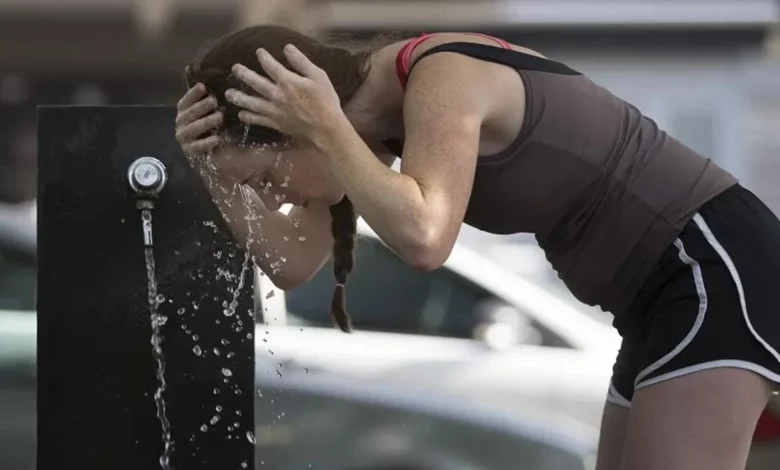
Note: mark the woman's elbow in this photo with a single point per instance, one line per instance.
(429, 252)
(286, 283)
(289, 279)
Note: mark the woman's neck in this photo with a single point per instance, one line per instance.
(376, 110)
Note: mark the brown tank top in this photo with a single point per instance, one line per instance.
(604, 190)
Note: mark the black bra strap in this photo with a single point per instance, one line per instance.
(509, 57)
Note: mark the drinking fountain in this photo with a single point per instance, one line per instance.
(98, 376)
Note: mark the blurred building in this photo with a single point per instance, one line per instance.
(706, 70)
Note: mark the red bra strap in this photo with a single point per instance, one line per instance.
(402, 59)
(405, 54)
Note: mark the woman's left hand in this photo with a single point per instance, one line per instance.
(298, 105)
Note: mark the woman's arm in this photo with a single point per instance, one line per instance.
(419, 211)
(289, 249)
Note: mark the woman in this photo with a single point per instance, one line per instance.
(497, 136)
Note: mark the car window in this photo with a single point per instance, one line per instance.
(385, 294)
(18, 280)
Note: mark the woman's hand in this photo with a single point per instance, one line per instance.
(196, 116)
(301, 106)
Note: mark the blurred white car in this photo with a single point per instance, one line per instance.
(471, 329)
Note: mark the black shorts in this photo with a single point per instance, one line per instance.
(712, 301)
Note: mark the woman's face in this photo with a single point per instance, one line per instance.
(280, 175)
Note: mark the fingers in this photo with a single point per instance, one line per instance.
(258, 120)
(301, 63)
(195, 111)
(273, 68)
(255, 104)
(192, 96)
(256, 81)
(199, 147)
(191, 131)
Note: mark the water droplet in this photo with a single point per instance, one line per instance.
(251, 437)
(195, 305)
(279, 373)
(230, 354)
(243, 465)
(216, 351)
(224, 341)
(216, 391)
(260, 393)
(196, 349)
(218, 408)
(227, 372)
(160, 298)
(306, 370)
(249, 335)
(195, 337)
(224, 303)
(204, 428)
(229, 312)
(270, 294)
(230, 428)
(301, 238)
(214, 420)
(180, 311)
(122, 220)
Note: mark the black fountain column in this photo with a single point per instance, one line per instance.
(97, 375)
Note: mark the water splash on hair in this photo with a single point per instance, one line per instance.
(246, 135)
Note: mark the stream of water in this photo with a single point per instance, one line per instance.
(158, 320)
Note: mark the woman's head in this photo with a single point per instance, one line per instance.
(259, 148)
(346, 70)
(279, 169)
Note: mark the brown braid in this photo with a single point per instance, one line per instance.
(344, 230)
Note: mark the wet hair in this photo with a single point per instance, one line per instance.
(347, 70)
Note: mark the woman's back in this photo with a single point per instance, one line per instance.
(602, 187)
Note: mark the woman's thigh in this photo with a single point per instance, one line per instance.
(699, 421)
(614, 423)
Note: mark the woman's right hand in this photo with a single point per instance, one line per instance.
(196, 116)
